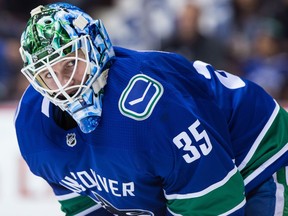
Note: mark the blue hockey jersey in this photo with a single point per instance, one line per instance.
(175, 138)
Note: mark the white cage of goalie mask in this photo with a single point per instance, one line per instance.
(59, 96)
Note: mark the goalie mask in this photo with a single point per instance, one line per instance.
(66, 58)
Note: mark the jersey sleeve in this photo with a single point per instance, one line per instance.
(76, 204)
(204, 179)
(258, 125)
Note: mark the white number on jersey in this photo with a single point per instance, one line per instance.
(230, 81)
(183, 140)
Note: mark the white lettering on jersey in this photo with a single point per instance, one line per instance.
(83, 180)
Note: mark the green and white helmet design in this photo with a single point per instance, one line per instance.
(62, 34)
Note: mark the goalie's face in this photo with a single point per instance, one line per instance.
(67, 74)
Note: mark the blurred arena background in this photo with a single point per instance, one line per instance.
(245, 37)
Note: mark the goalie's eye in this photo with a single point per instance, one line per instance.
(47, 75)
(70, 64)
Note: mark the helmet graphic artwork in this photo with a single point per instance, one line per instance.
(62, 34)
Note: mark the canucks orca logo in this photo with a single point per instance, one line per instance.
(121, 212)
(140, 97)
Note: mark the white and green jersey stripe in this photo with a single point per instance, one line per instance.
(270, 146)
(217, 196)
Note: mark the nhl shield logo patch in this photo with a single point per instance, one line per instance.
(71, 139)
(140, 97)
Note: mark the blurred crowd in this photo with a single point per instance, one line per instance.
(245, 37)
